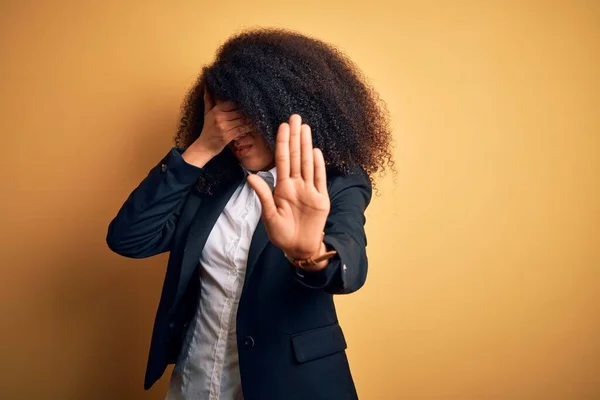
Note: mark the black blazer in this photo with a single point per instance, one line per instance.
(290, 343)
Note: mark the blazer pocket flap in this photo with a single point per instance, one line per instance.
(318, 343)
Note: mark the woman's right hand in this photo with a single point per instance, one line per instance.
(222, 124)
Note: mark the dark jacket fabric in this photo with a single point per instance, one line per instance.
(290, 343)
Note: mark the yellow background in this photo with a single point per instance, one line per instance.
(484, 248)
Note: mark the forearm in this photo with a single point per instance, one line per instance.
(346, 272)
(146, 221)
(197, 154)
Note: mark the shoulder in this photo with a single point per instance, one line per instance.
(356, 180)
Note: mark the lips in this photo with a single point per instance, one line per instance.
(241, 150)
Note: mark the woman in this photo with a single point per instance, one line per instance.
(261, 205)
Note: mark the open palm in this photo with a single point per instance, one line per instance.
(295, 213)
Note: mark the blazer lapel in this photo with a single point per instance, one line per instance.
(259, 241)
(204, 220)
(258, 244)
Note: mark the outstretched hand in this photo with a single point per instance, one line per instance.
(295, 213)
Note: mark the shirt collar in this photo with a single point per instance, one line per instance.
(273, 172)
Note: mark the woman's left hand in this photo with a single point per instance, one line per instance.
(295, 213)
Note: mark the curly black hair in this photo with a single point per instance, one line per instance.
(272, 73)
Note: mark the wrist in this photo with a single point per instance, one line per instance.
(198, 155)
(302, 254)
(317, 261)
(321, 264)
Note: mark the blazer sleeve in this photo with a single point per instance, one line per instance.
(145, 224)
(344, 232)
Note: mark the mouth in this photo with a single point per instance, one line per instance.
(241, 151)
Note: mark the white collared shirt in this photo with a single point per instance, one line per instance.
(207, 368)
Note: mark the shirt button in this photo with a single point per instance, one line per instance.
(163, 167)
(249, 341)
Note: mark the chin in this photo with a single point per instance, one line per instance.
(253, 164)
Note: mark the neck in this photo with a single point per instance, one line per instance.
(265, 169)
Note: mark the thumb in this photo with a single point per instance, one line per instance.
(263, 191)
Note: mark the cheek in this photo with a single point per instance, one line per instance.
(260, 146)
(266, 151)
(263, 156)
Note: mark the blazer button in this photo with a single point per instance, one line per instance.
(163, 167)
(249, 341)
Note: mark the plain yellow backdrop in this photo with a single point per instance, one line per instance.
(483, 248)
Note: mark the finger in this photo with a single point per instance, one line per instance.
(295, 121)
(236, 130)
(263, 191)
(240, 136)
(306, 148)
(208, 101)
(231, 115)
(282, 152)
(226, 106)
(320, 171)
